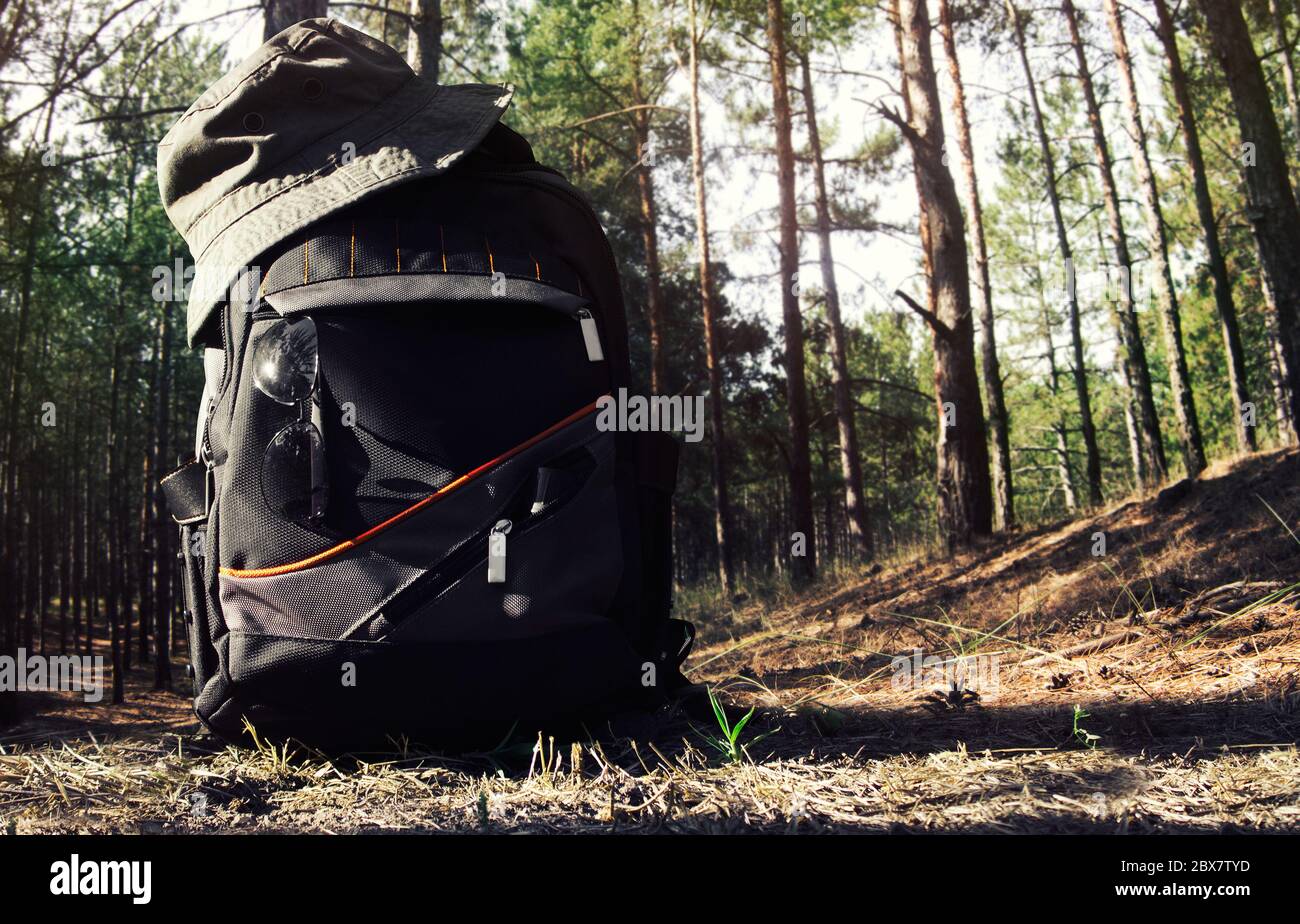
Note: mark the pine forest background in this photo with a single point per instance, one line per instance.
(995, 149)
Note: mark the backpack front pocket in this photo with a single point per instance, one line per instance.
(427, 549)
(540, 498)
(555, 566)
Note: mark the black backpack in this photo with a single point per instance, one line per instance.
(403, 518)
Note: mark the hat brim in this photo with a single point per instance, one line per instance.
(418, 132)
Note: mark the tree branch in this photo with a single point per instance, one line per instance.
(929, 317)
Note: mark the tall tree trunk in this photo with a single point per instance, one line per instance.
(1136, 454)
(1063, 469)
(179, 422)
(34, 487)
(1288, 66)
(279, 15)
(68, 519)
(1138, 373)
(964, 486)
(10, 592)
(923, 230)
(650, 241)
(162, 524)
(1236, 357)
(48, 561)
(112, 548)
(151, 466)
(117, 603)
(1272, 206)
(1180, 384)
(999, 423)
(94, 578)
(855, 504)
(145, 554)
(424, 40)
(78, 542)
(125, 542)
(803, 568)
(1087, 427)
(708, 299)
(646, 155)
(1286, 426)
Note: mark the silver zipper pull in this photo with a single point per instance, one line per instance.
(209, 485)
(497, 552)
(590, 335)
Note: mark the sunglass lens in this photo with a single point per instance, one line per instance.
(294, 484)
(285, 360)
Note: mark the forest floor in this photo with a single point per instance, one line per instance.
(1153, 688)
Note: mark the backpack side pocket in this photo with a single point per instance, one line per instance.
(203, 657)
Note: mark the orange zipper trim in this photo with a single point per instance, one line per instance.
(442, 492)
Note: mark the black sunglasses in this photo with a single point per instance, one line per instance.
(286, 368)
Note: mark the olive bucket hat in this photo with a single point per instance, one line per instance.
(318, 118)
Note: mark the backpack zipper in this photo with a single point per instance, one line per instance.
(496, 562)
(590, 335)
(553, 181)
(586, 323)
(492, 542)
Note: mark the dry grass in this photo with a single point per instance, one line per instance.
(1182, 645)
(167, 787)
